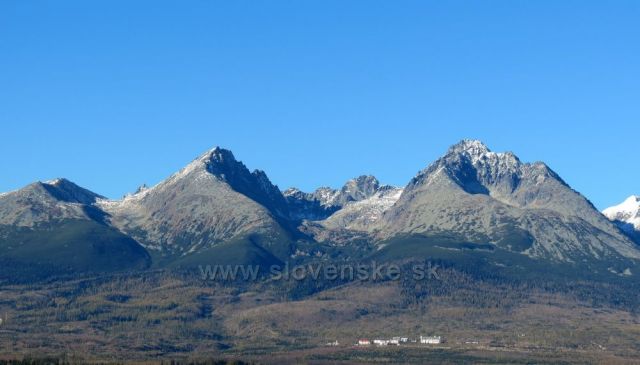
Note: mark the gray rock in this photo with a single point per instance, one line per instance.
(325, 201)
(481, 196)
(212, 200)
(43, 202)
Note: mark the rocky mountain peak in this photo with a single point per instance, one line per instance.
(360, 188)
(67, 191)
(626, 214)
(48, 201)
(471, 165)
(220, 161)
(472, 147)
(470, 188)
(222, 164)
(221, 155)
(324, 201)
(256, 185)
(478, 154)
(470, 194)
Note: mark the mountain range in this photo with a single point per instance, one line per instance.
(471, 203)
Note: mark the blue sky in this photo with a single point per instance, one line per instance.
(113, 94)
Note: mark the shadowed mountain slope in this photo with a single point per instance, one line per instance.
(52, 228)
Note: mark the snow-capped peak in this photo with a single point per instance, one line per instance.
(627, 212)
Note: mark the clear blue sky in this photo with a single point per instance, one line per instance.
(113, 94)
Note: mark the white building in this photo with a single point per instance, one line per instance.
(364, 342)
(381, 342)
(430, 340)
(398, 340)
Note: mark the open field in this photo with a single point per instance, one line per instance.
(161, 315)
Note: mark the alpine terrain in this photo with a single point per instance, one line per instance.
(54, 228)
(205, 264)
(216, 210)
(626, 215)
(472, 194)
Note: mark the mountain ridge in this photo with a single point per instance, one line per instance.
(211, 200)
(324, 201)
(478, 194)
(216, 207)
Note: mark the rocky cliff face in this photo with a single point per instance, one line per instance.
(481, 196)
(363, 215)
(311, 206)
(325, 201)
(212, 200)
(254, 185)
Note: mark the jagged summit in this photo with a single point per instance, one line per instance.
(141, 189)
(324, 201)
(362, 215)
(469, 146)
(216, 160)
(214, 199)
(470, 193)
(219, 155)
(256, 185)
(626, 214)
(223, 165)
(478, 152)
(474, 168)
(478, 195)
(359, 188)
